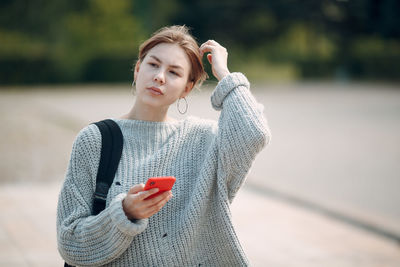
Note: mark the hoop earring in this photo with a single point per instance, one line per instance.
(178, 105)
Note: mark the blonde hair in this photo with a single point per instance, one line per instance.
(178, 35)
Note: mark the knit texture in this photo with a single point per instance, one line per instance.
(210, 161)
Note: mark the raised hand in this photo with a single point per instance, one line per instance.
(218, 58)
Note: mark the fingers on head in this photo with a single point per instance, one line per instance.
(209, 44)
(205, 49)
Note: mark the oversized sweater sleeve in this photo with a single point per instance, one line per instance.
(242, 130)
(84, 239)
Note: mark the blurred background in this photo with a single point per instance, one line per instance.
(95, 40)
(327, 72)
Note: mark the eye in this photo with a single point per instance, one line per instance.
(153, 64)
(173, 72)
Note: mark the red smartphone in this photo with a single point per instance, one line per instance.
(163, 183)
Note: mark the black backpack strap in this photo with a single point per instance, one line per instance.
(111, 150)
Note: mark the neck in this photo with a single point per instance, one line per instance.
(146, 113)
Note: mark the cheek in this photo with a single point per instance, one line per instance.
(180, 87)
(142, 77)
(142, 72)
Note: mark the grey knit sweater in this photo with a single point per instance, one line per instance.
(210, 161)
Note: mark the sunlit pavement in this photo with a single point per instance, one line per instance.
(273, 233)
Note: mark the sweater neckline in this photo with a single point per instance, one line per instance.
(149, 131)
(149, 123)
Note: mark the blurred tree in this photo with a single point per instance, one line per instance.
(155, 14)
(62, 40)
(27, 30)
(95, 40)
(101, 32)
(318, 36)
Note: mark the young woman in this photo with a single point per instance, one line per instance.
(190, 226)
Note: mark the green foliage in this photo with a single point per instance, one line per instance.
(104, 30)
(97, 40)
(97, 31)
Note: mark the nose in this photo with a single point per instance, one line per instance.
(159, 77)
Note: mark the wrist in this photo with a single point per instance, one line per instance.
(125, 209)
(223, 75)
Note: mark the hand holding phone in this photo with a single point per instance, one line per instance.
(164, 183)
(137, 204)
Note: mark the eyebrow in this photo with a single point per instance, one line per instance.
(173, 66)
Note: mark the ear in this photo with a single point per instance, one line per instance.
(137, 67)
(188, 89)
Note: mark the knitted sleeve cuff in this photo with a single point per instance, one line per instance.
(121, 221)
(225, 86)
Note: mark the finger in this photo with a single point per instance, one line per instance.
(136, 189)
(207, 45)
(164, 196)
(211, 42)
(145, 194)
(158, 205)
(205, 49)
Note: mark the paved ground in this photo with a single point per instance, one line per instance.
(41, 126)
(273, 233)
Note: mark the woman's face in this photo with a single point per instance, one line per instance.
(162, 77)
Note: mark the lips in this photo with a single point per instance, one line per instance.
(155, 90)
